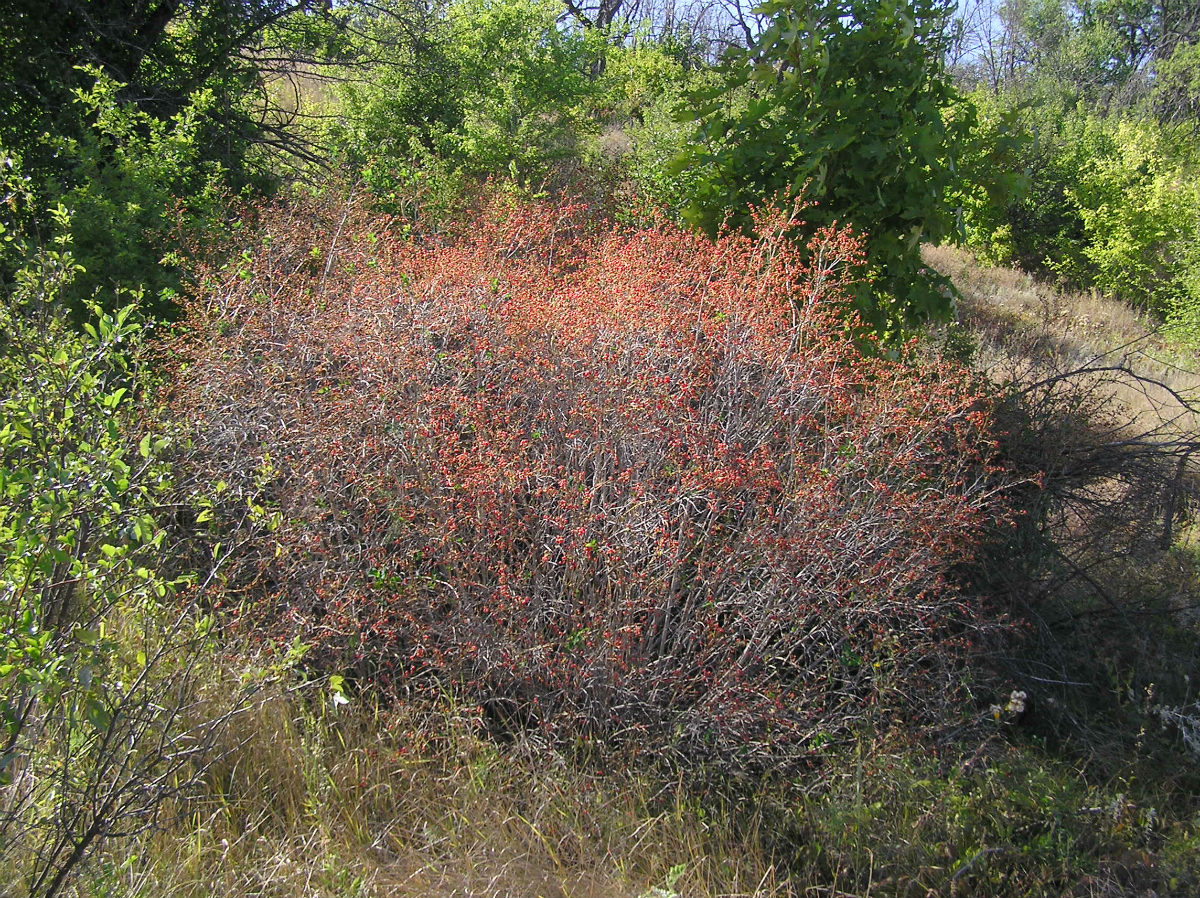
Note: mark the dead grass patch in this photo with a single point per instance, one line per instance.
(316, 799)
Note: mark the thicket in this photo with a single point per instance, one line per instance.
(1091, 107)
(1106, 203)
(507, 91)
(142, 119)
(632, 486)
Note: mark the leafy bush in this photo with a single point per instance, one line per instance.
(994, 177)
(1183, 313)
(1176, 87)
(644, 90)
(1138, 203)
(496, 88)
(133, 189)
(848, 104)
(131, 182)
(98, 719)
(1111, 204)
(1039, 227)
(527, 81)
(163, 54)
(631, 485)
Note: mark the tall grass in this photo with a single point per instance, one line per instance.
(323, 799)
(352, 799)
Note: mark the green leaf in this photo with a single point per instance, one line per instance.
(98, 714)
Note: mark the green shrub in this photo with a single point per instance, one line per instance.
(646, 89)
(1110, 204)
(1183, 311)
(524, 107)
(1138, 204)
(1045, 224)
(97, 709)
(497, 88)
(848, 105)
(994, 176)
(131, 182)
(134, 190)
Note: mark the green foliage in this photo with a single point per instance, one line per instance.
(1092, 104)
(847, 103)
(133, 115)
(1002, 817)
(1092, 51)
(1176, 96)
(1039, 228)
(992, 177)
(1183, 308)
(135, 189)
(495, 88)
(1111, 203)
(529, 82)
(136, 185)
(163, 53)
(1139, 209)
(644, 88)
(391, 126)
(93, 663)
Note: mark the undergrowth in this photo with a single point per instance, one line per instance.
(633, 489)
(337, 378)
(324, 798)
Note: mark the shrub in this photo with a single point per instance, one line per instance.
(495, 87)
(1110, 203)
(638, 486)
(99, 718)
(994, 177)
(644, 88)
(1138, 203)
(1045, 227)
(135, 187)
(847, 102)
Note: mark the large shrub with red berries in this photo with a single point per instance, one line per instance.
(630, 485)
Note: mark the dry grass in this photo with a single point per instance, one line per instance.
(1089, 320)
(1114, 404)
(358, 801)
(1022, 326)
(1110, 410)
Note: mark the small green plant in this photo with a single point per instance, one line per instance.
(667, 889)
